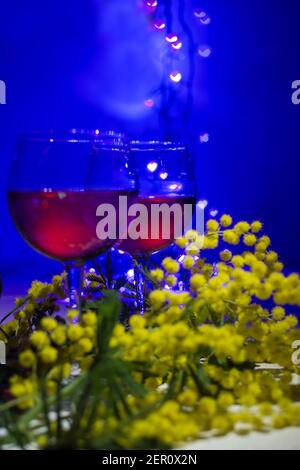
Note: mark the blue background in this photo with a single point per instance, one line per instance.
(91, 63)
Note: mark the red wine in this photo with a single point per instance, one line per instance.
(150, 245)
(62, 224)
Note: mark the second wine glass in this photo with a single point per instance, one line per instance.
(165, 176)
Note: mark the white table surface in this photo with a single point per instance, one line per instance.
(283, 439)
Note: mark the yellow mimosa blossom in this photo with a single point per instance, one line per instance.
(39, 339)
(212, 225)
(226, 220)
(48, 355)
(170, 265)
(256, 226)
(27, 358)
(157, 274)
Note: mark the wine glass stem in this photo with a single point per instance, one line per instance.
(140, 285)
(74, 284)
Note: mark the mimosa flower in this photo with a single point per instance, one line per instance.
(48, 324)
(157, 298)
(84, 346)
(242, 227)
(39, 339)
(179, 370)
(278, 313)
(181, 242)
(249, 240)
(27, 359)
(171, 280)
(212, 225)
(197, 281)
(48, 355)
(59, 335)
(226, 220)
(188, 262)
(226, 255)
(75, 332)
(238, 261)
(157, 275)
(89, 319)
(231, 237)
(256, 227)
(170, 265)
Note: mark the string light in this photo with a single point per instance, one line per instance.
(200, 14)
(206, 20)
(172, 38)
(176, 77)
(165, 15)
(151, 5)
(204, 138)
(152, 167)
(160, 24)
(163, 175)
(177, 45)
(130, 274)
(202, 204)
(204, 51)
(175, 186)
(149, 103)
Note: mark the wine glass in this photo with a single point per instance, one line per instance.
(166, 178)
(57, 182)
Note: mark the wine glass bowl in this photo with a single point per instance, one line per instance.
(165, 176)
(57, 181)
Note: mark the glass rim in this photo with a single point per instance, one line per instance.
(74, 135)
(151, 145)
